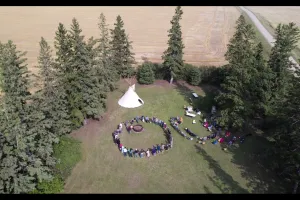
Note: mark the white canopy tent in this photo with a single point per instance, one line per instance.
(130, 99)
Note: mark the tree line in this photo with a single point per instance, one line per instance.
(255, 94)
(73, 86)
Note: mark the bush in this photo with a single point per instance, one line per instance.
(68, 153)
(194, 77)
(146, 74)
(160, 71)
(55, 186)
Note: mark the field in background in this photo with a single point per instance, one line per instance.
(206, 30)
(271, 16)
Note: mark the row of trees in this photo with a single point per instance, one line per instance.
(254, 93)
(71, 87)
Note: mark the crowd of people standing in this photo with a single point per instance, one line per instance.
(141, 153)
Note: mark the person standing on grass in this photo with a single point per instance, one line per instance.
(118, 141)
(158, 148)
(148, 153)
(120, 126)
(162, 147)
(125, 151)
(129, 129)
(154, 150)
(142, 153)
(136, 153)
(137, 119)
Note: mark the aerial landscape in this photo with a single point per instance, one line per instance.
(184, 99)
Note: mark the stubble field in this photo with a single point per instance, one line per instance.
(206, 30)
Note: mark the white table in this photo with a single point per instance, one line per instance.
(190, 114)
(195, 95)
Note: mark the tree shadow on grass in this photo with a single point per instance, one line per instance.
(222, 180)
(206, 189)
(249, 157)
(203, 102)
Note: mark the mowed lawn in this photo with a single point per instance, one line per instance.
(186, 168)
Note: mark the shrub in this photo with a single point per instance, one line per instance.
(55, 186)
(146, 74)
(160, 71)
(194, 77)
(68, 153)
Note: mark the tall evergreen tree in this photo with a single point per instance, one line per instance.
(121, 50)
(260, 85)
(235, 99)
(173, 56)
(51, 98)
(24, 156)
(87, 86)
(106, 69)
(287, 36)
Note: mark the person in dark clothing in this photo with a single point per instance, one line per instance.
(130, 152)
(118, 141)
(190, 132)
(213, 135)
(153, 151)
(137, 119)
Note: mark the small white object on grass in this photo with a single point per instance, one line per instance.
(194, 121)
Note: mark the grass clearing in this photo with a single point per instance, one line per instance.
(186, 168)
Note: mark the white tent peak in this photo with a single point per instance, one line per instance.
(133, 87)
(130, 99)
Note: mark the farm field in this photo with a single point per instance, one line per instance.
(271, 16)
(206, 30)
(186, 168)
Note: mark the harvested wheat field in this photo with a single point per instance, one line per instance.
(206, 30)
(271, 16)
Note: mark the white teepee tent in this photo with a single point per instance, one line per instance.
(130, 99)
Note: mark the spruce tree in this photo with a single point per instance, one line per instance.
(51, 98)
(286, 36)
(146, 74)
(87, 86)
(260, 84)
(121, 50)
(194, 76)
(173, 56)
(106, 69)
(235, 98)
(24, 157)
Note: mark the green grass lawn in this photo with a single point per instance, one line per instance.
(186, 168)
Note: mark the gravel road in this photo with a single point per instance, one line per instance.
(270, 39)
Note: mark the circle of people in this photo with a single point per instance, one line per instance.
(156, 149)
(215, 136)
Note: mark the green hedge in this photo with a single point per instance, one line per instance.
(208, 74)
(55, 186)
(68, 153)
